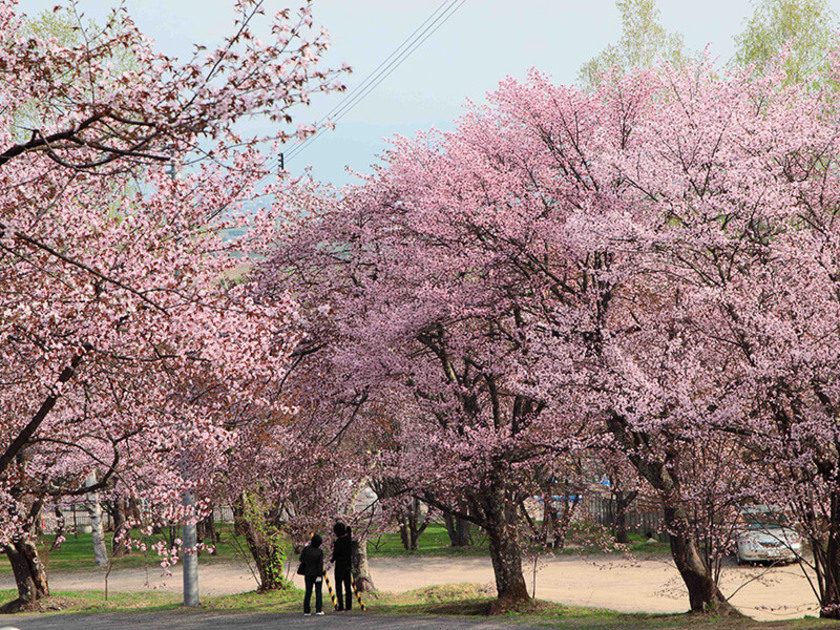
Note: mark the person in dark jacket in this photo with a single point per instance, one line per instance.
(342, 557)
(312, 559)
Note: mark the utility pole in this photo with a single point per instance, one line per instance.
(189, 536)
(190, 554)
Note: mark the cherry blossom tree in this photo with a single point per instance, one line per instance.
(289, 475)
(420, 318)
(525, 194)
(746, 173)
(560, 273)
(126, 347)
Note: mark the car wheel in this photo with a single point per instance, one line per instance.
(739, 560)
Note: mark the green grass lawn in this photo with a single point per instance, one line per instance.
(434, 541)
(76, 553)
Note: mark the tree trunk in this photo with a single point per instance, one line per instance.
(174, 534)
(830, 561)
(417, 522)
(506, 556)
(60, 528)
(30, 577)
(550, 527)
(412, 524)
(269, 560)
(132, 510)
(623, 501)
(458, 530)
(360, 566)
(266, 550)
(830, 600)
(703, 593)
(621, 526)
(405, 534)
(206, 531)
(500, 523)
(94, 509)
(121, 529)
(37, 522)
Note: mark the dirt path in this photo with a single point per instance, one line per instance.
(649, 584)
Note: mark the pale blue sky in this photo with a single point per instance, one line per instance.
(482, 43)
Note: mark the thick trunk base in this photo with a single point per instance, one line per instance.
(830, 583)
(832, 612)
(269, 560)
(506, 557)
(502, 605)
(30, 576)
(830, 586)
(270, 567)
(703, 594)
(20, 605)
(263, 544)
(360, 567)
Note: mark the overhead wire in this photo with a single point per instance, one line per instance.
(437, 19)
(380, 73)
(370, 76)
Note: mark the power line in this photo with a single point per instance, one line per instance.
(370, 76)
(438, 18)
(396, 57)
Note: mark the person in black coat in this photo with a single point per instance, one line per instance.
(312, 560)
(342, 557)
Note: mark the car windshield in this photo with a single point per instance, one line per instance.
(763, 527)
(765, 520)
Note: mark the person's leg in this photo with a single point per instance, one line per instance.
(348, 591)
(318, 599)
(307, 598)
(338, 596)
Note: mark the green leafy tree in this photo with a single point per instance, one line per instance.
(67, 29)
(643, 43)
(807, 27)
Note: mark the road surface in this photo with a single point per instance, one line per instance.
(197, 620)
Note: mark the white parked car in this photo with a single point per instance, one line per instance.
(764, 536)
